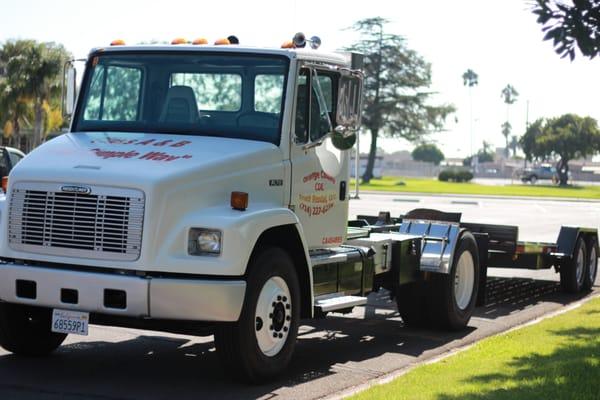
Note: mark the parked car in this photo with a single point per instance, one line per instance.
(8, 159)
(532, 175)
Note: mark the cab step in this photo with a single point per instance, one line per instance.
(338, 302)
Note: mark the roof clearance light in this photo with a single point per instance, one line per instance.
(200, 41)
(288, 44)
(222, 41)
(179, 41)
(117, 42)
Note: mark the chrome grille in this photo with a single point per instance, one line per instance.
(105, 224)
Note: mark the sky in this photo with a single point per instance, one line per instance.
(499, 39)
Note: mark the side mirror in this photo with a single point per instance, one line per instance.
(69, 89)
(343, 138)
(349, 107)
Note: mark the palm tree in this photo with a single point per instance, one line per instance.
(506, 128)
(509, 94)
(470, 79)
(514, 143)
(32, 78)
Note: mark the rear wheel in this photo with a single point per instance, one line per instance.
(591, 269)
(260, 344)
(454, 295)
(533, 179)
(572, 272)
(25, 330)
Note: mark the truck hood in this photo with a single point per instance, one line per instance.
(121, 159)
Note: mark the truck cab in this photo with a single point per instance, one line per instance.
(191, 189)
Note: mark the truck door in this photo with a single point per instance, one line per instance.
(319, 194)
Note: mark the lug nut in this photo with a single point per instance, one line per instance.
(287, 306)
(288, 318)
(270, 315)
(285, 329)
(271, 327)
(284, 298)
(280, 335)
(278, 298)
(274, 334)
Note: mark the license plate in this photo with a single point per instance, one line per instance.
(67, 321)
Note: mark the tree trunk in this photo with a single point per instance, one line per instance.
(39, 124)
(368, 175)
(16, 135)
(562, 169)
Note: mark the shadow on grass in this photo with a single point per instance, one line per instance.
(570, 372)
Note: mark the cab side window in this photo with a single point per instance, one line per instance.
(321, 106)
(302, 99)
(314, 105)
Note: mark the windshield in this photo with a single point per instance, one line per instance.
(229, 95)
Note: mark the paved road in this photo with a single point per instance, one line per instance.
(538, 220)
(333, 354)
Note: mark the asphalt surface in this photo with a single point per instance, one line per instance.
(332, 354)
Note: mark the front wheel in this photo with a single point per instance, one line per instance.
(260, 345)
(25, 330)
(455, 294)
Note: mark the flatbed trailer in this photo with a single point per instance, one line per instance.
(418, 258)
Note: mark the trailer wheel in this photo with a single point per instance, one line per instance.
(454, 295)
(25, 330)
(573, 271)
(260, 344)
(591, 269)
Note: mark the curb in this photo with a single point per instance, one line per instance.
(402, 371)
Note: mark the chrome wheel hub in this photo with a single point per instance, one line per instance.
(464, 280)
(273, 316)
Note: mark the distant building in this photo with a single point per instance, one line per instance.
(363, 160)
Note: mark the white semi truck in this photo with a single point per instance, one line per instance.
(203, 189)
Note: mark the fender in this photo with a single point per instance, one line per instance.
(240, 232)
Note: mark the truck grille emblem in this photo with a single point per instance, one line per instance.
(76, 189)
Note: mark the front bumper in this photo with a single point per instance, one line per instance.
(143, 297)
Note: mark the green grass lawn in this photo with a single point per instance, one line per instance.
(426, 185)
(558, 358)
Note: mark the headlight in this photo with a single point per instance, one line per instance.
(203, 241)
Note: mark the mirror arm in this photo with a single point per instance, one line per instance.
(317, 142)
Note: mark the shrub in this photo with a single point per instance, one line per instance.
(463, 175)
(446, 175)
(456, 175)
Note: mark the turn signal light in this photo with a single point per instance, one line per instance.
(179, 41)
(5, 183)
(239, 200)
(117, 42)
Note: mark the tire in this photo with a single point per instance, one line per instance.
(533, 179)
(249, 348)
(412, 306)
(454, 295)
(572, 272)
(25, 330)
(591, 268)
